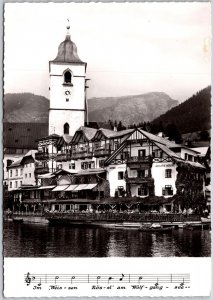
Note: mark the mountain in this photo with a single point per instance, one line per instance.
(192, 115)
(25, 108)
(130, 109)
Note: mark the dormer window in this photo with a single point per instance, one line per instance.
(67, 78)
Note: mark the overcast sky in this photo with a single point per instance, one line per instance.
(130, 48)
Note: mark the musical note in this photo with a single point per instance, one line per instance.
(139, 279)
(28, 279)
(98, 277)
(122, 277)
(56, 277)
(110, 278)
(39, 284)
(73, 277)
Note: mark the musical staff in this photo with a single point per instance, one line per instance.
(106, 279)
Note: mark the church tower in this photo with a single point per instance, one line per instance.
(67, 89)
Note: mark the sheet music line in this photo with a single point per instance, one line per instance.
(106, 278)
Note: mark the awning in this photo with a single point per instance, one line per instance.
(71, 187)
(60, 188)
(48, 175)
(80, 187)
(90, 186)
(47, 187)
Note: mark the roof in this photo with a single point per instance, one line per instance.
(168, 151)
(17, 163)
(202, 150)
(64, 139)
(50, 137)
(87, 132)
(110, 134)
(91, 171)
(67, 52)
(159, 139)
(23, 135)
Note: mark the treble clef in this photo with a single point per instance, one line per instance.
(28, 279)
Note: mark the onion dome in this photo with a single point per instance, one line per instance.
(67, 51)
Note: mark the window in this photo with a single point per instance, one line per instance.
(167, 190)
(16, 172)
(67, 99)
(186, 156)
(11, 184)
(142, 152)
(121, 191)
(190, 157)
(25, 175)
(11, 173)
(66, 128)
(67, 77)
(72, 166)
(101, 163)
(29, 175)
(84, 165)
(20, 183)
(16, 184)
(141, 173)
(120, 175)
(168, 173)
(21, 172)
(91, 165)
(142, 191)
(116, 145)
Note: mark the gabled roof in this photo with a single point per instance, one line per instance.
(64, 140)
(168, 151)
(159, 139)
(110, 134)
(16, 163)
(86, 132)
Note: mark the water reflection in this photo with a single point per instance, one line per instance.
(31, 240)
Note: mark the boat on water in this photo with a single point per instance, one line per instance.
(156, 228)
(205, 220)
(18, 220)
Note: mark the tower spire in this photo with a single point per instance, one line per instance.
(68, 28)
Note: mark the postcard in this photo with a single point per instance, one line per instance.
(107, 158)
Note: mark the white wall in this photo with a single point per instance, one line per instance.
(57, 118)
(15, 178)
(113, 178)
(28, 169)
(158, 173)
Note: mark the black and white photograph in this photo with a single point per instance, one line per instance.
(106, 130)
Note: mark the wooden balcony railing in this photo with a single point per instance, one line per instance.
(101, 152)
(41, 156)
(41, 170)
(82, 154)
(138, 180)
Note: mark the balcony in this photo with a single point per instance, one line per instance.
(77, 154)
(41, 170)
(101, 152)
(140, 180)
(136, 161)
(41, 156)
(63, 157)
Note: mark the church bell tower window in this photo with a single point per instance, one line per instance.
(67, 77)
(66, 128)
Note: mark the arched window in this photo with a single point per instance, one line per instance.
(67, 77)
(66, 128)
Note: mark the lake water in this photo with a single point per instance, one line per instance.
(42, 240)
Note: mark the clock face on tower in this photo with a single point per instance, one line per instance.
(67, 92)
